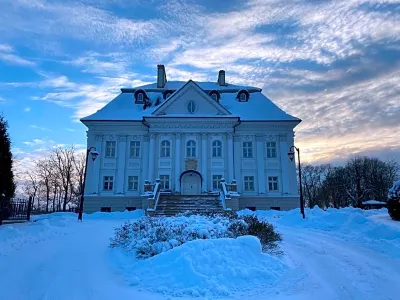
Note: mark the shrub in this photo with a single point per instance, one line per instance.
(394, 209)
(150, 236)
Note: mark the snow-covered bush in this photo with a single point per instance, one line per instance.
(394, 201)
(150, 236)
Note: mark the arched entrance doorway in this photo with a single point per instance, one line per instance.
(191, 181)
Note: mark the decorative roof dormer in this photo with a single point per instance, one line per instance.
(215, 95)
(243, 96)
(167, 94)
(140, 96)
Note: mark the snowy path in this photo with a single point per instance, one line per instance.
(73, 262)
(335, 268)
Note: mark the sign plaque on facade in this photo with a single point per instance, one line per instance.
(191, 164)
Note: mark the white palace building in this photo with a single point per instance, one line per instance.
(190, 139)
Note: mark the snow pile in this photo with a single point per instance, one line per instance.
(14, 237)
(205, 268)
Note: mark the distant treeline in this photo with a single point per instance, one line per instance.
(360, 179)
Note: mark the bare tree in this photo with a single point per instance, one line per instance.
(63, 161)
(44, 172)
(32, 186)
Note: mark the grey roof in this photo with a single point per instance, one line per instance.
(258, 108)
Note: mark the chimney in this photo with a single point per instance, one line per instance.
(161, 76)
(221, 77)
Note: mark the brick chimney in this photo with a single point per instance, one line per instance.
(221, 77)
(161, 76)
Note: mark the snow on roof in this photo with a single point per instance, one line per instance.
(258, 108)
(373, 202)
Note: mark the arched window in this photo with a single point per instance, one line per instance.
(214, 96)
(165, 149)
(191, 149)
(243, 97)
(139, 97)
(216, 149)
(167, 95)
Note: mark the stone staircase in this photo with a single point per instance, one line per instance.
(169, 205)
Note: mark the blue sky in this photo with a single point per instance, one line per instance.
(334, 64)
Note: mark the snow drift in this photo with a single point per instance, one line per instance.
(205, 268)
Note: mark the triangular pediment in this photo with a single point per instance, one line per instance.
(190, 99)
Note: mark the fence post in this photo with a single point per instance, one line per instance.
(28, 213)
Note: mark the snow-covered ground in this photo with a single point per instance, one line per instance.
(334, 254)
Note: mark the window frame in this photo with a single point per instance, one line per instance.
(134, 182)
(191, 149)
(247, 150)
(137, 149)
(244, 95)
(138, 95)
(249, 183)
(191, 107)
(112, 149)
(216, 148)
(273, 180)
(271, 150)
(212, 95)
(216, 180)
(165, 179)
(109, 181)
(165, 148)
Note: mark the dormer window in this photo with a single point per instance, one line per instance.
(214, 95)
(167, 95)
(140, 97)
(243, 97)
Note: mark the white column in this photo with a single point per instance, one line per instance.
(121, 164)
(284, 163)
(230, 158)
(238, 162)
(204, 170)
(177, 161)
(145, 159)
(152, 157)
(96, 165)
(260, 164)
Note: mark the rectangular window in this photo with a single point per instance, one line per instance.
(271, 149)
(134, 149)
(273, 183)
(105, 209)
(249, 183)
(164, 180)
(133, 183)
(130, 208)
(110, 148)
(247, 149)
(216, 180)
(108, 183)
(275, 208)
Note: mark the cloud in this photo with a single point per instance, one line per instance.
(40, 128)
(27, 109)
(36, 142)
(7, 56)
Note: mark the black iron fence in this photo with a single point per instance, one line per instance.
(15, 209)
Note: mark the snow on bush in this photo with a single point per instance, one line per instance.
(394, 201)
(394, 191)
(150, 236)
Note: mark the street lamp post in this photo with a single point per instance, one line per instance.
(94, 153)
(291, 156)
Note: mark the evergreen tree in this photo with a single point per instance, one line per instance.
(7, 185)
